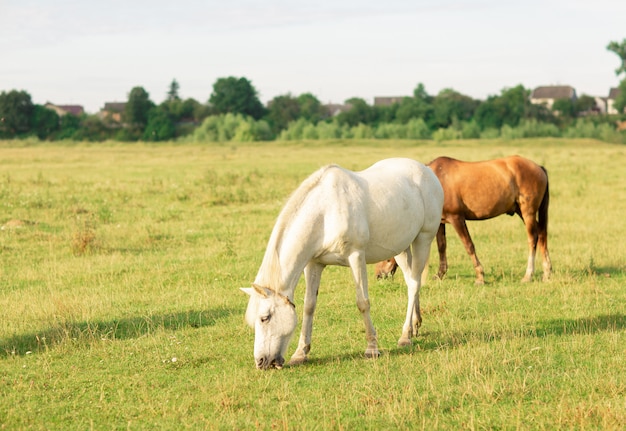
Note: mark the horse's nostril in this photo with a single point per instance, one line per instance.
(262, 363)
(278, 362)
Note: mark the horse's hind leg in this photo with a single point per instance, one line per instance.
(441, 247)
(413, 262)
(533, 237)
(543, 247)
(405, 262)
(312, 275)
(461, 229)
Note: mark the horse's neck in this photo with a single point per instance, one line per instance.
(290, 248)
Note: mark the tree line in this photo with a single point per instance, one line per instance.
(234, 112)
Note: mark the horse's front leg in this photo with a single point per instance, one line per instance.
(312, 277)
(441, 247)
(359, 272)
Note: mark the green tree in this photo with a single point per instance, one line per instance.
(282, 110)
(45, 122)
(172, 93)
(237, 96)
(311, 108)
(565, 108)
(187, 109)
(160, 127)
(138, 108)
(359, 113)
(619, 48)
(418, 106)
(93, 128)
(509, 108)
(620, 100)
(199, 111)
(585, 103)
(450, 105)
(69, 126)
(16, 111)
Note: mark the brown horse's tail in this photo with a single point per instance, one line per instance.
(543, 207)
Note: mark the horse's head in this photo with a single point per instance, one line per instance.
(273, 317)
(386, 268)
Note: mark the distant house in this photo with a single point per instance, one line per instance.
(62, 110)
(113, 111)
(387, 100)
(549, 94)
(610, 101)
(600, 105)
(334, 109)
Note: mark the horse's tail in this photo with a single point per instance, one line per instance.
(543, 207)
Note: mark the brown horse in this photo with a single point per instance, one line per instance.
(482, 190)
(385, 268)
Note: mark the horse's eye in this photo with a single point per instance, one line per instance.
(265, 319)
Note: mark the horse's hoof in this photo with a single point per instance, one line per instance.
(297, 360)
(372, 353)
(404, 342)
(479, 282)
(526, 279)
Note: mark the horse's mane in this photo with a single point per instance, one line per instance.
(295, 201)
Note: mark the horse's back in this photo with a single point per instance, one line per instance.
(517, 166)
(486, 189)
(392, 172)
(405, 199)
(397, 180)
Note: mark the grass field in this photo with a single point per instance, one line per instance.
(119, 274)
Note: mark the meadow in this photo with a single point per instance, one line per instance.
(119, 273)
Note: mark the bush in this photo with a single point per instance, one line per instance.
(581, 129)
(360, 131)
(294, 130)
(309, 132)
(390, 131)
(231, 127)
(417, 128)
(536, 129)
(490, 133)
(160, 126)
(329, 130)
(470, 130)
(447, 134)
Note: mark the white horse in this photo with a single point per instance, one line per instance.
(339, 217)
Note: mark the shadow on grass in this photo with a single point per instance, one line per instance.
(430, 342)
(542, 329)
(116, 329)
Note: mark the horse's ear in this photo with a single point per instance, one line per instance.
(255, 289)
(247, 290)
(264, 292)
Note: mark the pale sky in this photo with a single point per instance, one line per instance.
(90, 52)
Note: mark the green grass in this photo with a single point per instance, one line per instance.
(119, 275)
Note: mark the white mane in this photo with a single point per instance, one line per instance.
(269, 274)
